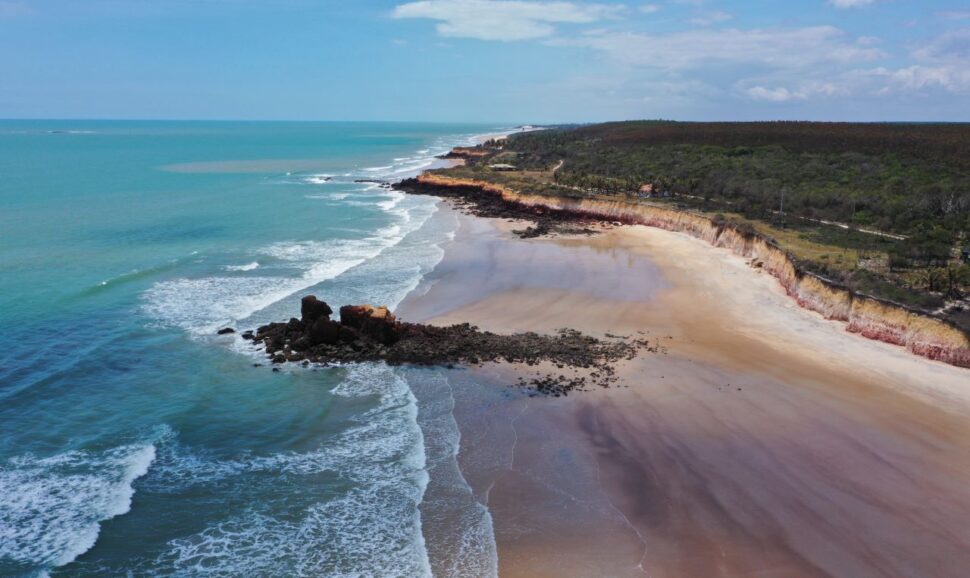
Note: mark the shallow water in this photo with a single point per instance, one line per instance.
(132, 439)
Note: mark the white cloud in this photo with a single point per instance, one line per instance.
(504, 20)
(708, 18)
(650, 8)
(881, 82)
(952, 46)
(850, 3)
(780, 94)
(919, 78)
(773, 48)
(804, 91)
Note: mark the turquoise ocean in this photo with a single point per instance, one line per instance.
(136, 442)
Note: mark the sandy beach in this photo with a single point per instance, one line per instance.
(766, 441)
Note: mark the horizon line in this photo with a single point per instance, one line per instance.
(516, 124)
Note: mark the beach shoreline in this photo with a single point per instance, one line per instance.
(774, 442)
(922, 333)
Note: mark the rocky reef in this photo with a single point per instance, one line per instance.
(920, 332)
(367, 333)
(487, 200)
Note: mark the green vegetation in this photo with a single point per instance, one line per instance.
(884, 208)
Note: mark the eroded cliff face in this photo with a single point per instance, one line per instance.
(918, 332)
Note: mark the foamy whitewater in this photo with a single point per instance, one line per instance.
(137, 442)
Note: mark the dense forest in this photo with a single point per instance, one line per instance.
(905, 179)
(896, 195)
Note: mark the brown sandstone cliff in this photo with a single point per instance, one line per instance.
(919, 332)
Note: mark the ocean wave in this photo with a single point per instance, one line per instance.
(51, 508)
(458, 530)
(328, 196)
(247, 267)
(317, 179)
(394, 199)
(371, 527)
(137, 275)
(201, 306)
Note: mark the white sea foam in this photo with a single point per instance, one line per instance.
(394, 199)
(459, 531)
(51, 508)
(201, 306)
(318, 179)
(329, 196)
(247, 267)
(371, 527)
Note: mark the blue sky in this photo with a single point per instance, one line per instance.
(485, 60)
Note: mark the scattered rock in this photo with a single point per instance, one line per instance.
(481, 203)
(226, 331)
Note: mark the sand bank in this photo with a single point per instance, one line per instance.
(768, 442)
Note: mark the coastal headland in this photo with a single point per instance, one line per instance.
(866, 224)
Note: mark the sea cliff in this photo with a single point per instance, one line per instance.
(919, 332)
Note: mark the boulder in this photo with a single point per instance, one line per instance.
(324, 331)
(357, 315)
(375, 322)
(226, 331)
(312, 309)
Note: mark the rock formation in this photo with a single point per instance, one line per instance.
(368, 333)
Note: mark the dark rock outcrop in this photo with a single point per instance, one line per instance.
(368, 333)
(323, 331)
(482, 202)
(312, 309)
(226, 331)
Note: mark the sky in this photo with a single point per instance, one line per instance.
(516, 61)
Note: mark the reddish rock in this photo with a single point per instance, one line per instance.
(375, 322)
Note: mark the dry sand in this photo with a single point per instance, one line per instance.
(767, 442)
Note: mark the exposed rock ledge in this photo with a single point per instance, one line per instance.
(919, 332)
(367, 333)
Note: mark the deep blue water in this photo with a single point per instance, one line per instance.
(133, 441)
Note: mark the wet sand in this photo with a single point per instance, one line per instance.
(767, 442)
